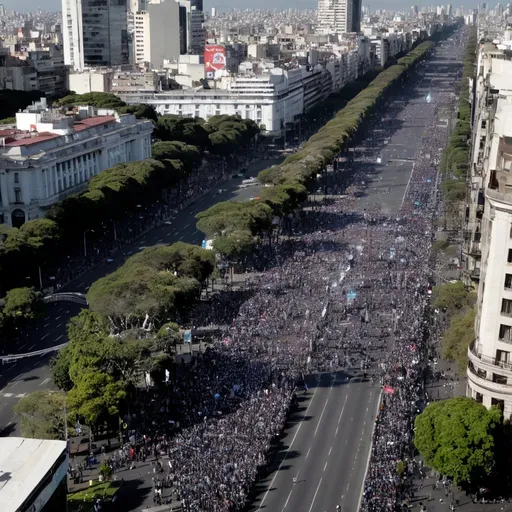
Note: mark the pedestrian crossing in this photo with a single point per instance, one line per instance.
(13, 395)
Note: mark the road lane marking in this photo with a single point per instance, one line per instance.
(46, 325)
(44, 336)
(59, 310)
(342, 409)
(182, 237)
(21, 395)
(8, 395)
(325, 466)
(23, 346)
(81, 284)
(323, 410)
(307, 454)
(287, 451)
(58, 325)
(30, 348)
(45, 381)
(58, 318)
(59, 338)
(314, 497)
(160, 240)
(287, 499)
(330, 450)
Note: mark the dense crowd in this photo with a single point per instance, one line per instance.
(347, 288)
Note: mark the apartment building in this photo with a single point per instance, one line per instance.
(339, 16)
(95, 33)
(157, 33)
(487, 254)
(49, 155)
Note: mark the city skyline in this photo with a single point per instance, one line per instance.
(225, 5)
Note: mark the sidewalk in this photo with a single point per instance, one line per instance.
(438, 499)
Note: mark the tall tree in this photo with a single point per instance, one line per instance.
(457, 438)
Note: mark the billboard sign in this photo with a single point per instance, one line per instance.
(214, 59)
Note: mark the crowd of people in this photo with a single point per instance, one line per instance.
(348, 288)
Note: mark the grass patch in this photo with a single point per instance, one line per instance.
(98, 490)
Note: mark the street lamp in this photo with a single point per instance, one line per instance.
(85, 240)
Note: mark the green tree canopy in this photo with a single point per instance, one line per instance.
(21, 303)
(41, 415)
(458, 337)
(452, 297)
(457, 438)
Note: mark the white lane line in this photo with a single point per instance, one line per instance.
(342, 409)
(81, 284)
(325, 466)
(58, 325)
(59, 310)
(186, 226)
(47, 318)
(323, 410)
(45, 381)
(8, 395)
(23, 346)
(58, 318)
(182, 237)
(287, 499)
(21, 395)
(44, 336)
(46, 325)
(307, 454)
(30, 348)
(337, 428)
(369, 451)
(330, 450)
(59, 338)
(160, 240)
(287, 451)
(314, 497)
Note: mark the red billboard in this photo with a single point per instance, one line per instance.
(214, 59)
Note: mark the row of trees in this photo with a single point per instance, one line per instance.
(456, 156)
(234, 227)
(116, 192)
(456, 305)
(128, 332)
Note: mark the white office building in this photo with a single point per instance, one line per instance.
(487, 255)
(276, 99)
(339, 16)
(95, 33)
(157, 34)
(49, 155)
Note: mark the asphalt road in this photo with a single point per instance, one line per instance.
(326, 448)
(31, 374)
(327, 443)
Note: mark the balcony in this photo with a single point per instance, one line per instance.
(489, 364)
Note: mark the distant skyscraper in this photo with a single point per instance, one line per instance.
(449, 10)
(414, 10)
(339, 16)
(214, 12)
(2, 10)
(95, 33)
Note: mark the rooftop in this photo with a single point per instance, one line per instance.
(24, 463)
(14, 137)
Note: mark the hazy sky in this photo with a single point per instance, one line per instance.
(222, 5)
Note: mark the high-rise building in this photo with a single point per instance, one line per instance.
(2, 10)
(213, 12)
(339, 16)
(95, 33)
(157, 33)
(449, 10)
(195, 33)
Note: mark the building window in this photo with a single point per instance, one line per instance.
(506, 307)
(17, 195)
(499, 379)
(505, 333)
(509, 257)
(508, 281)
(16, 177)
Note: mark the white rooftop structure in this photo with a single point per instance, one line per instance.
(24, 464)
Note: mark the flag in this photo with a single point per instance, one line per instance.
(388, 389)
